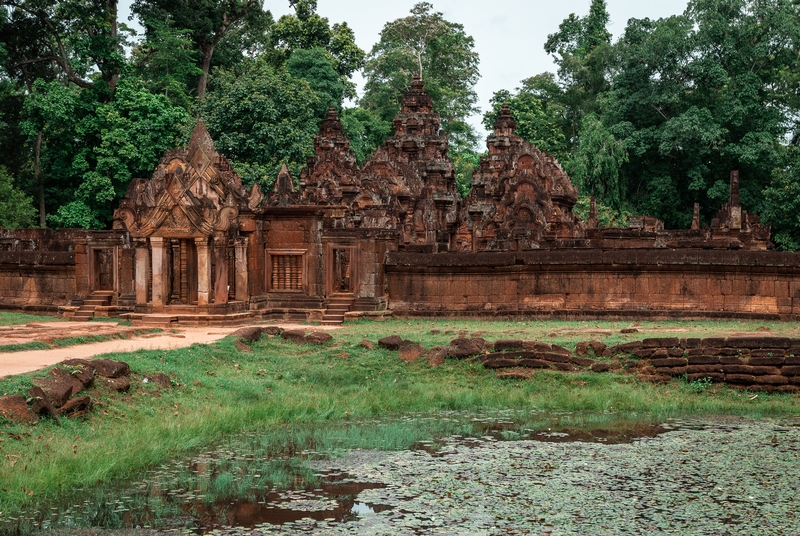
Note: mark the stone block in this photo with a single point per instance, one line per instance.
(739, 379)
(703, 360)
(672, 371)
(669, 362)
(111, 369)
(731, 360)
(702, 369)
(774, 379)
(553, 357)
(503, 345)
(15, 409)
(738, 369)
(766, 361)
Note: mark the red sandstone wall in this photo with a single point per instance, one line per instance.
(630, 283)
(37, 269)
(41, 269)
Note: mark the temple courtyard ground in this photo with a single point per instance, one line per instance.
(281, 435)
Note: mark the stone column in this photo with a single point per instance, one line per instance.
(141, 270)
(160, 274)
(221, 279)
(240, 270)
(203, 271)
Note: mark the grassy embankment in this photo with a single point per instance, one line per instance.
(298, 397)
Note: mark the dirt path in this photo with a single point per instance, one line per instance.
(28, 361)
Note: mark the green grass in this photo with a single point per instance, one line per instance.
(13, 319)
(22, 347)
(297, 397)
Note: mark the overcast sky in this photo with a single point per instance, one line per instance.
(509, 34)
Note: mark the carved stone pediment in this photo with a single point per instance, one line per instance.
(193, 193)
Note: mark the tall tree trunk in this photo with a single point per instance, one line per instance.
(112, 12)
(208, 51)
(37, 173)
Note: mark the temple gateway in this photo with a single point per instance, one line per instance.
(192, 244)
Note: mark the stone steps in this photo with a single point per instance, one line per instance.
(87, 309)
(337, 307)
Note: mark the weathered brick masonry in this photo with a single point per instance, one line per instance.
(585, 282)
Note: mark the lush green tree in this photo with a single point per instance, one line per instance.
(260, 119)
(698, 95)
(441, 52)
(582, 50)
(123, 139)
(76, 40)
(314, 66)
(782, 201)
(211, 23)
(16, 208)
(366, 131)
(596, 166)
(307, 30)
(537, 122)
(167, 61)
(50, 115)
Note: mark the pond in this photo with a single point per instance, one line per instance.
(501, 473)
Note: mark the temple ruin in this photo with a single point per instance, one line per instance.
(192, 244)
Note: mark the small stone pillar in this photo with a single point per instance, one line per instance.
(141, 270)
(240, 270)
(221, 275)
(736, 209)
(160, 273)
(696, 217)
(203, 271)
(592, 213)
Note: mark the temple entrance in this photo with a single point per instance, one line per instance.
(182, 256)
(102, 269)
(342, 281)
(342, 270)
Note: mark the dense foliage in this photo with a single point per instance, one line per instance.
(656, 121)
(651, 123)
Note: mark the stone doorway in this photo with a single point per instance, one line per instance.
(103, 269)
(342, 270)
(183, 261)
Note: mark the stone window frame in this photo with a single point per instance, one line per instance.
(303, 254)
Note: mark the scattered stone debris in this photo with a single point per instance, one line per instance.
(162, 380)
(296, 335)
(462, 348)
(15, 409)
(436, 356)
(54, 395)
(120, 385)
(411, 352)
(392, 342)
(367, 345)
(318, 338)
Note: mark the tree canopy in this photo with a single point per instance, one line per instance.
(650, 123)
(439, 51)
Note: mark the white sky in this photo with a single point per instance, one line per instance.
(509, 34)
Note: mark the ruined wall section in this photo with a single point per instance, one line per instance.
(42, 269)
(590, 283)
